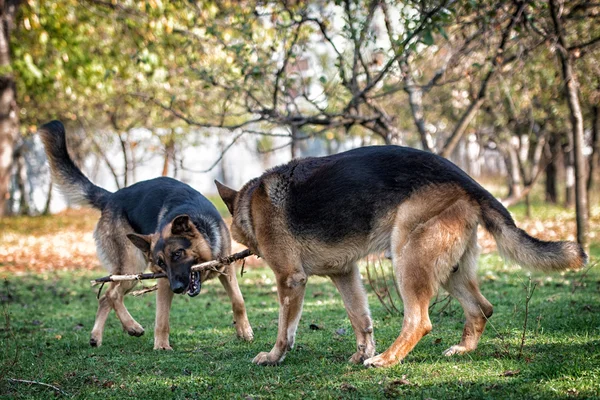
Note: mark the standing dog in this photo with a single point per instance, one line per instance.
(161, 220)
(319, 216)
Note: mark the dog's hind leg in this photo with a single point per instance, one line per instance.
(423, 256)
(164, 297)
(113, 299)
(116, 293)
(462, 284)
(104, 308)
(416, 288)
(355, 300)
(240, 318)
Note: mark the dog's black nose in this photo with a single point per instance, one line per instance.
(177, 287)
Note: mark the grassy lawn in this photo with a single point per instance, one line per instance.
(46, 319)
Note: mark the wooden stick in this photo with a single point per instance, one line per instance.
(209, 265)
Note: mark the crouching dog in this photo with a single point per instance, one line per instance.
(161, 221)
(319, 216)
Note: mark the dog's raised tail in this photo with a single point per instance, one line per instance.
(518, 246)
(72, 183)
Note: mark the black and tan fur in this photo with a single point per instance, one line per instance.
(319, 216)
(161, 222)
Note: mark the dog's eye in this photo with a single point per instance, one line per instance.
(176, 255)
(160, 263)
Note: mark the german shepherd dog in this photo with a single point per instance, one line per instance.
(161, 221)
(319, 216)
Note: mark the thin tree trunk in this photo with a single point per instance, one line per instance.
(48, 199)
(415, 100)
(123, 143)
(572, 95)
(21, 178)
(169, 153)
(569, 162)
(294, 143)
(552, 152)
(106, 160)
(9, 115)
(513, 172)
(594, 160)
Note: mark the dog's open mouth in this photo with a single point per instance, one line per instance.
(195, 284)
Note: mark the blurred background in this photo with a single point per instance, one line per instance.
(508, 90)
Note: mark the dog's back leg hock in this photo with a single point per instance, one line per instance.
(463, 286)
(116, 294)
(416, 289)
(104, 308)
(355, 300)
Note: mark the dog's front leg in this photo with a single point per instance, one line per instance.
(290, 288)
(164, 297)
(240, 318)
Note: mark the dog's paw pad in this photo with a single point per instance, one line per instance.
(95, 343)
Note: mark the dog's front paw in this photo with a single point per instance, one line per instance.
(380, 361)
(246, 334)
(359, 357)
(456, 349)
(163, 346)
(265, 358)
(135, 329)
(95, 342)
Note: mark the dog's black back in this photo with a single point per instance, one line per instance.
(344, 194)
(144, 203)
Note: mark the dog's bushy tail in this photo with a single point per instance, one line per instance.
(65, 174)
(518, 246)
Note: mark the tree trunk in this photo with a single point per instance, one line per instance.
(595, 156)
(169, 155)
(48, 199)
(21, 179)
(569, 161)
(415, 100)
(572, 95)
(123, 143)
(552, 152)
(513, 172)
(294, 143)
(9, 115)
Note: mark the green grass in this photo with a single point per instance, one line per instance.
(45, 330)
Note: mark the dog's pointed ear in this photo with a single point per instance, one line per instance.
(142, 242)
(227, 194)
(182, 225)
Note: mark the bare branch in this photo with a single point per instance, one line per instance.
(468, 115)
